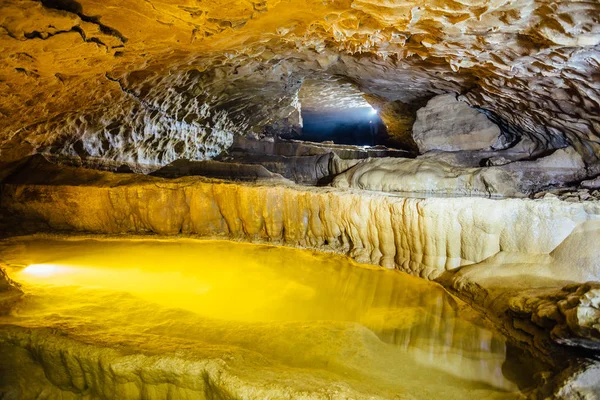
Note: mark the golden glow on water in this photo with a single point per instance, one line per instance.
(42, 270)
(379, 330)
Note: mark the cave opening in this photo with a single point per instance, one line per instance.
(336, 111)
(359, 126)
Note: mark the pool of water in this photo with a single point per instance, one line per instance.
(274, 316)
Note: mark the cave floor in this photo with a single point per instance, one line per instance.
(184, 318)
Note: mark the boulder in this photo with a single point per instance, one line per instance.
(434, 175)
(449, 124)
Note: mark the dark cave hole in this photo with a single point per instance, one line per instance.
(353, 126)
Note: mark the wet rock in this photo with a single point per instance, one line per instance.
(481, 248)
(571, 315)
(422, 236)
(9, 291)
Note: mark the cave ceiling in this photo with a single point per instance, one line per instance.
(149, 81)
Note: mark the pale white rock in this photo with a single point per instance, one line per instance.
(581, 383)
(426, 176)
(578, 252)
(429, 175)
(449, 124)
(591, 183)
(566, 158)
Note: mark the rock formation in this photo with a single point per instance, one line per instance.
(152, 82)
(422, 236)
(9, 292)
(220, 170)
(435, 176)
(479, 248)
(448, 124)
(150, 117)
(398, 118)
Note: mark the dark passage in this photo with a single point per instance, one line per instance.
(356, 126)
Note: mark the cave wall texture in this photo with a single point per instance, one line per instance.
(151, 81)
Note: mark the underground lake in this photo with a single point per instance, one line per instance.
(183, 318)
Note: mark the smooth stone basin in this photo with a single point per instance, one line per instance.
(184, 318)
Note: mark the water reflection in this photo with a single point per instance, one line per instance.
(257, 295)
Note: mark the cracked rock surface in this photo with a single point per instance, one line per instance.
(151, 81)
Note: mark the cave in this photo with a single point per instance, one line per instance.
(335, 111)
(354, 199)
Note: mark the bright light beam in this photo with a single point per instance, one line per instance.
(372, 111)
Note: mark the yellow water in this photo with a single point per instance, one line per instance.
(321, 318)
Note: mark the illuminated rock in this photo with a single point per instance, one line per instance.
(509, 258)
(136, 85)
(448, 124)
(421, 236)
(428, 175)
(152, 82)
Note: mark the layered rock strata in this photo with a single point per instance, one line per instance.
(306, 163)
(219, 170)
(248, 146)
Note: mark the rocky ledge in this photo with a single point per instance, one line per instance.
(481, 249)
